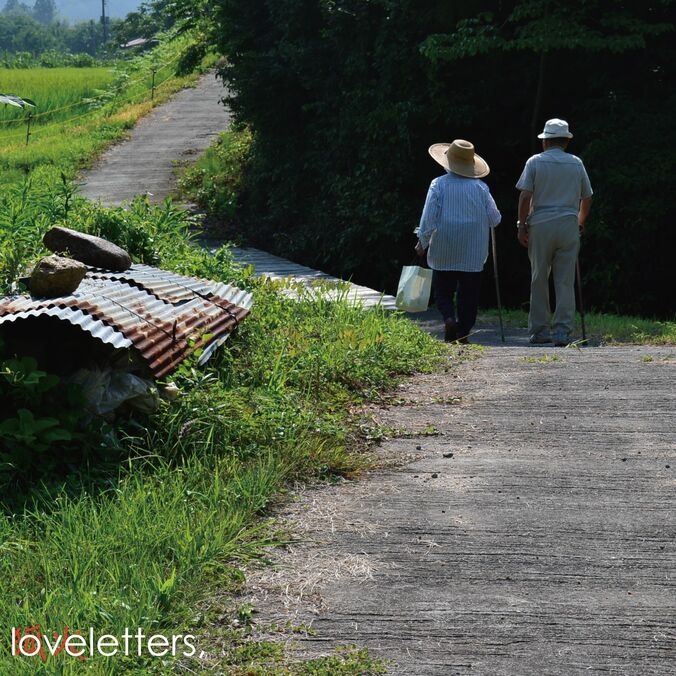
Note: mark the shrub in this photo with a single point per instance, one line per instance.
(41, 430)
(344, 99)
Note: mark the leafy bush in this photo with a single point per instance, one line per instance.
(344, 99)
(41, 426)
(215, 180)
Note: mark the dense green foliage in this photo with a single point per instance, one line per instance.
(40, 426)
(345, 96)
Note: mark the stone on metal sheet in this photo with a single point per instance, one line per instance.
(56, 276)
(94, 251)
(162, 316)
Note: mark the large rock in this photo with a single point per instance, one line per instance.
(94, 251)
(56, 276)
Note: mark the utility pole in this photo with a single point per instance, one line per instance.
(104, 20)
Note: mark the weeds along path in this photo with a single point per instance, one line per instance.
(172, 134)
(521, 523)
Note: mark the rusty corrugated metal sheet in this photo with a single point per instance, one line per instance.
(164, 316)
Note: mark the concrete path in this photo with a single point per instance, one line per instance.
(173, 133)
(528, 528)
(276, 268)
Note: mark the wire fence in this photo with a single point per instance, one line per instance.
(117, 97)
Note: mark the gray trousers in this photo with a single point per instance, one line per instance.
(553, 247)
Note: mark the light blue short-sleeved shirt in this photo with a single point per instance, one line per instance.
(455, 223)
(558, 181)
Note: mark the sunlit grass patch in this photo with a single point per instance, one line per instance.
(543, 359)
(610, 328)
(59, 93)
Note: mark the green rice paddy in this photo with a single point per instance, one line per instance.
(60, 93)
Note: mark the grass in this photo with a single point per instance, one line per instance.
(544, 359)
(59, 93)
(136, 535)
(214, 181)
(611, 329)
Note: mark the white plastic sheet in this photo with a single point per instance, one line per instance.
(106, 390)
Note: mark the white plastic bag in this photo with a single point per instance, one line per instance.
(415, 284)
(106, 390)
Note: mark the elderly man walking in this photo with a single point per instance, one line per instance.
(554, 203)
(458, 214)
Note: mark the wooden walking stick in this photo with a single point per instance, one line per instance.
(578, 274)
(497, 282)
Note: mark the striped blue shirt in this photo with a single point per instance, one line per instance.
(455, 223)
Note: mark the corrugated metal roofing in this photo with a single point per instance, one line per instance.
(164, 316)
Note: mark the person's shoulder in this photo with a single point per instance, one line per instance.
(575, 159)
(470, 183)
(439, 180)
(533, 159)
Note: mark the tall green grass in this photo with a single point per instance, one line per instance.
(136, 542)
(215, 180)
(67, 91)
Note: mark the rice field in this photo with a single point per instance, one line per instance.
(79, 111)
(59, 93)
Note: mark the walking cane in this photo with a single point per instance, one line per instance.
(578, 274)
(497, 282)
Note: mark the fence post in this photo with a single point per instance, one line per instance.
(28, 128)
(152, 86)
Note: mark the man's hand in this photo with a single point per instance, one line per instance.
(419, 249)
(522, 236)
(581, 226)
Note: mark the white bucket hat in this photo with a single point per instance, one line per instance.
(460, 158)
(556, 128)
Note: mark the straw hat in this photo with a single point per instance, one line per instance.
(460, 158)
(556, 128)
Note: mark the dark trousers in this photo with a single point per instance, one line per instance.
(446, 284)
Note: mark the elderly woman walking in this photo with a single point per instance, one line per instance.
(454, 229)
